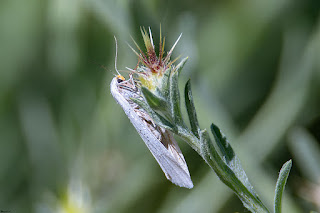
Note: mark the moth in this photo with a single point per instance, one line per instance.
(159, 141)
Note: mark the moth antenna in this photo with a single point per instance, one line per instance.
(116, 58)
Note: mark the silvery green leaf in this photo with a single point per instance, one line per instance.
(157, 118)
(230, 158)
(164, 88)
(281, 182)
(228, 176)
(175, 99)
(154, 101)
(179, 67)
(195, 128)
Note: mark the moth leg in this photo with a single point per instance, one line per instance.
(132, 82)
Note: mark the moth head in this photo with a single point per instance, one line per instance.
(120, 78)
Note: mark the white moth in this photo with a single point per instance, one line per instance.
(159, 141)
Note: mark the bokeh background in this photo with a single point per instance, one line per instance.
(66, 146)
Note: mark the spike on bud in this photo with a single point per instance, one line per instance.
(153, 65)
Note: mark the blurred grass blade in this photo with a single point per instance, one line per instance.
(281, 182)
(306, 151)
(195, 128)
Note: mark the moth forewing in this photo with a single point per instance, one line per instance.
(159, 141)
(174, 149)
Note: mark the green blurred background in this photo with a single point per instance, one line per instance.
(67, 146)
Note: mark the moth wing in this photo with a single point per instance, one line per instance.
(173, 147)
(175, 169)
(170, 160)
